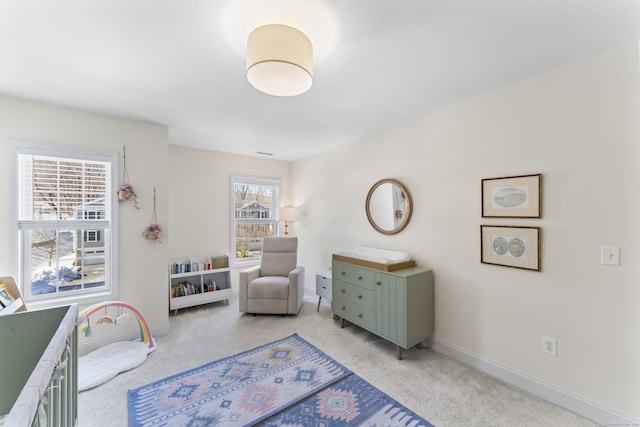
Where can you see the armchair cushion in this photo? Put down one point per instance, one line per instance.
(279, 256)
(269, 287)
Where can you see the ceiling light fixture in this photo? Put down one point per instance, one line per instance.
(279, 60)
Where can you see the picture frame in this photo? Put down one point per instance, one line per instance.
(510, 246)
(512, 197)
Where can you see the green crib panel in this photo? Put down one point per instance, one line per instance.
(24, 337)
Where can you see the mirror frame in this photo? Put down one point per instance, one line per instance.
(408, 212)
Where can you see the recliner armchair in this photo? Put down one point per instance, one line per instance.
(276, 286)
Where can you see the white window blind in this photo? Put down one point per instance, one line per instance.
(65, 227)
(59, 189)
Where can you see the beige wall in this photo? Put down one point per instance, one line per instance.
(578, 126)
(200, 193)
(143, 264)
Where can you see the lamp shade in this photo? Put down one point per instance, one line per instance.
(279, 60)
(287, 213)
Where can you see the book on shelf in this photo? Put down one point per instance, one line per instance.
(197, 264)
(10, 300)
(220, 261)
(211, 286)
(200, 263)
(6, 298)
(185, 288)
(181, 267)
(200, 266)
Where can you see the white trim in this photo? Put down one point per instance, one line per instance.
(12, 204)
(562, 398)
(21, 146)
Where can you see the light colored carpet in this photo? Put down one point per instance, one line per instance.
(442, 390)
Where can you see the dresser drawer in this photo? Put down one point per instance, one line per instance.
(354, 313)
(356, 294)
(354, 274)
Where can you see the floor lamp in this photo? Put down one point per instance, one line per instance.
(286, 214)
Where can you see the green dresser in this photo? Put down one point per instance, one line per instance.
(396, 305)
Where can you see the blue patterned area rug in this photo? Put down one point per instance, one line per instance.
(288, 382)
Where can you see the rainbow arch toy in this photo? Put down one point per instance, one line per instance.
(145, 331)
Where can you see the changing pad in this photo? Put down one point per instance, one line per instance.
(380, 259)
(381, 256)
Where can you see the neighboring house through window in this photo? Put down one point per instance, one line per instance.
(64, 224)
(253, 208)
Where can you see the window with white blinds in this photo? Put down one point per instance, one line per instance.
(64, 221)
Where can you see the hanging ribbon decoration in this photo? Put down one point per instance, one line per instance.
(125, 190)
(153, 231)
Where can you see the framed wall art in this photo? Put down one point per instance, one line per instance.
(517, 247)
(512, 197)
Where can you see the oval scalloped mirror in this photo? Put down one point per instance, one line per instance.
(389, 206)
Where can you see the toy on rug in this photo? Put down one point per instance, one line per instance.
(103, 364)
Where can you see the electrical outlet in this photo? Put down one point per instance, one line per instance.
(550, 346)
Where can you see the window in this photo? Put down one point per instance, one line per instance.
(64, 225)
(92, 213)
(253, 206)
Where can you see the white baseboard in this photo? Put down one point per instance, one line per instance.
(564, 399)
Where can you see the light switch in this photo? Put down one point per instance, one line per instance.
(610, 255)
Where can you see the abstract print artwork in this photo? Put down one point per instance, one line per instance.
(517, 247)
(512, 197)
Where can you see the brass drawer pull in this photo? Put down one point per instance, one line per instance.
(360, 315)
(343, 273)
(359, 296)
(343, 290)
(378, 283)
(359, 277)
(343, 308)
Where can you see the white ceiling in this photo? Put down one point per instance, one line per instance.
(174, 61)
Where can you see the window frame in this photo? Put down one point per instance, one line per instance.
(277, 184)
(19, 263)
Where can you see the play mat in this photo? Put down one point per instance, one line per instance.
(106, 362)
